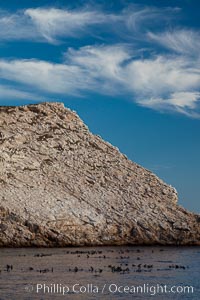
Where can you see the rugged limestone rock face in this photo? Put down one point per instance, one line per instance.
(61, 185)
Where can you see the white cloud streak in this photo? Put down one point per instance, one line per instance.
(167, 81)
(161, 82)
(9, 92)
(45, 76)
(16, 27)
(51, 24)
(161, 75)
(56, 23)
(140, 18)
(183, 41)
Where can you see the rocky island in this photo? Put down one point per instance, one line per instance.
(60, 185)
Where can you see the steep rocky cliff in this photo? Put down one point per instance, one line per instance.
(61, 185)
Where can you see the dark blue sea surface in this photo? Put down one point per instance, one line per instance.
(100, 273)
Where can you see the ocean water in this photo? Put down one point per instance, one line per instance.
(100, 273)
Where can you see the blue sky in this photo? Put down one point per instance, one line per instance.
(131, 69)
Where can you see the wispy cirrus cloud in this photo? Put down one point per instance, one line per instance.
(44, 76)
(181, 41)
(51, 24)
(141, 18)
(16, 27)
(10, 92)
(161, 82)
(54, 23)
(179, 99)
(167, 80)
(102, 66)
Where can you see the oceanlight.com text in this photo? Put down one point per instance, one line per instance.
(111, 288)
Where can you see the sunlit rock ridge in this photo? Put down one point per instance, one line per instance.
(61, 185)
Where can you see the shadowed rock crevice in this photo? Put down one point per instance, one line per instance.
(61, 185)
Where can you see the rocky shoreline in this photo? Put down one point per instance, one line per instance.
(63, 186)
